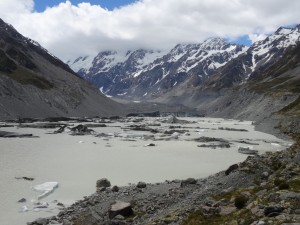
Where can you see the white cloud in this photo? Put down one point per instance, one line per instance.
(256, 37)
(69, 31)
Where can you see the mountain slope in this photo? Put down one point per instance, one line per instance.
(33, 83)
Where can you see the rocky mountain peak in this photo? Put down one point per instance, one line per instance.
(283, 31)
(214, 44)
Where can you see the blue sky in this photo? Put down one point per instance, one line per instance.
(40, 5)
(243, 40)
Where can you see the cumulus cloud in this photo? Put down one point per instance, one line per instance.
(70, 30)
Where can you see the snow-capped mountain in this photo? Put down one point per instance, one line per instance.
(260, 55)
(149, 73)
(112, 71)
(194, 61)
(145, 74)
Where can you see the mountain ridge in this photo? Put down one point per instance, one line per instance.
(157, 75)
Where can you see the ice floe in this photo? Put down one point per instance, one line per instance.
(45, 189)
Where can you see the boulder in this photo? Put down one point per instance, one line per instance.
(81, 130)
(41, 221)
(60, 130)
(264, 175)
(115, 189)
(150, 145)
(187, 182)
(290, 196)
(103, 183)
(272, 211)
(120, 208)
(141, 185)
(22, 200)
(231, 169)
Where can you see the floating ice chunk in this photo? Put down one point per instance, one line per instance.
(175, 135)
(275, 144)
(24, 208)
(201, 131)
(43, 205)
(45, 188)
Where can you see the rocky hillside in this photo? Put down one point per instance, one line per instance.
(146, 74)
(33, 83)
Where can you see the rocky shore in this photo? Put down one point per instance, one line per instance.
(264, 189)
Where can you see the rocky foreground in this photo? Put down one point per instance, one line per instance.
(264, 189)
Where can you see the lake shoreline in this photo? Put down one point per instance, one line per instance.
(169, 202)
(173, 202)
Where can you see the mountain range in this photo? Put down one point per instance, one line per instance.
(149, 74)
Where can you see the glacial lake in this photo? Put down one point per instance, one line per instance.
(119, 154)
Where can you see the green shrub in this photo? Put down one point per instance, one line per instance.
(278, 181)
(295, 185)
(240, 201)
(283, 186)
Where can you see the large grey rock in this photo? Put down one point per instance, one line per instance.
(41, 221)
(231, 169)
(188, 181)
(272, 211)
(290, 196)
(290, 224)
(265, 175)
(297, 158)
(120, 208)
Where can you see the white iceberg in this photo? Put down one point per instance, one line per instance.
(275, 144)
(45, 188)
(24, 208)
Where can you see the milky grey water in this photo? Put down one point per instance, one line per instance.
(76, 162)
